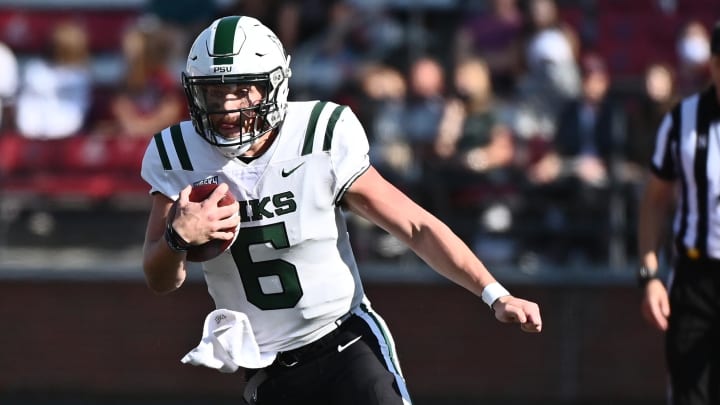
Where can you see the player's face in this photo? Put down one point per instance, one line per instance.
(232, 100)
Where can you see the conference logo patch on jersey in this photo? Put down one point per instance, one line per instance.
(209, 180)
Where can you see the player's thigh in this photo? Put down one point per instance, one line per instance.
(364, 379)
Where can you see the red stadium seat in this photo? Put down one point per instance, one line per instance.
(28, 30)
(91, 168)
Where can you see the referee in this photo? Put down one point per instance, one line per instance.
(685, 176)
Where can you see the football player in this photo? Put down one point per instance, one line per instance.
(294, 167)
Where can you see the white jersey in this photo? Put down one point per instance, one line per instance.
(291, 268)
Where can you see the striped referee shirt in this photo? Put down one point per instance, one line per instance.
(687, 148)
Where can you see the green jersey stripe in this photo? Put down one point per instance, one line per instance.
(312, 125)
(180, 149)
(331, 126)
(160, 145)
(224, 40)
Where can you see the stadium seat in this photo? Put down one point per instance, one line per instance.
(27, 30)
(92, 168)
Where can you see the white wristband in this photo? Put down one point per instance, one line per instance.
(492, 292)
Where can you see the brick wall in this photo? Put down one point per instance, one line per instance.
(116, 337)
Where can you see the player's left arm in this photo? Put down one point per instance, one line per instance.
(374, 198)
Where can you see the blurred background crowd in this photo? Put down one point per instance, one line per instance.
(526, 125)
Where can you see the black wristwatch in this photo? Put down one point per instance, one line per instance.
(644, 276)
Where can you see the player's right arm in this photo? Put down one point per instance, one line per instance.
(164, 268)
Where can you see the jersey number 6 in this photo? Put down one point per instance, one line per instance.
(251, 272)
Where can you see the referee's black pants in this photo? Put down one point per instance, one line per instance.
(693, 336)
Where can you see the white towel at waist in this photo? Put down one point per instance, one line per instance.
(228, 343)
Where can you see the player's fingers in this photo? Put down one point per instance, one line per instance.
(230, 222)
(184, 197)
(224, 235)
(530, 327)
(513, 313)
(533, 315)
(228, 211)
(533, 323)
(182, 201)
(218, 193)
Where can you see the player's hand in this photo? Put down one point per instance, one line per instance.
(510, 309)
(655, 306)
(200, 222)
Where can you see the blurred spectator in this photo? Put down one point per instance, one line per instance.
(425, 105)
(403, 124)
(572, 180)
(582, 140)
(382, 109)
(550, 73)
(181, 19)
(354, 36)
(55, 92)
(281, 16)
(693, 53)
(473, 152)
(325, 62)
(493, 35)
(149, 98)
(471, 136)
(9, 83)
(645, 114)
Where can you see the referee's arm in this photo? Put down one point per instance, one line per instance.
(655, 207)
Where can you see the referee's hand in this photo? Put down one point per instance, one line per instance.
(655, 306)
(510, 309)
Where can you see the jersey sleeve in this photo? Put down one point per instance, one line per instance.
(348, 152)
(154, 173)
